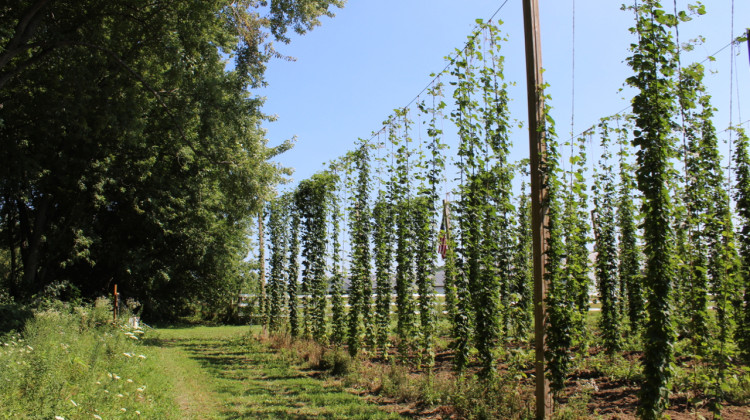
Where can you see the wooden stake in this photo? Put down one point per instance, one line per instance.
(539, 193)
(115, 307)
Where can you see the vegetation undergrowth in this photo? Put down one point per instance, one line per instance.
(227, 372)
(72, 362)
(411, 390)
(414, 390)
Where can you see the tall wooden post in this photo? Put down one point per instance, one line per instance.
(116, 306)
(262, 258)
(539, 207)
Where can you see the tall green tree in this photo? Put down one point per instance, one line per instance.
(106, 103)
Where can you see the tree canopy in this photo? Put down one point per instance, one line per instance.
(132, 145)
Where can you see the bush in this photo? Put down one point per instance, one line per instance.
(13, 317)
(336, 361)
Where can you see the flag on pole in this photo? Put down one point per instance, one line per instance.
(444, 229)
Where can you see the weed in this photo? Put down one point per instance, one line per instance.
(492, 398)
(70, 362)
(336, 361)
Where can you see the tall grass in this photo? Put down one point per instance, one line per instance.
(72, 362)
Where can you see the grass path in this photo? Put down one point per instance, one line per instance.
(225, 373)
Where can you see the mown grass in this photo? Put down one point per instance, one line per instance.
(71, 362)
(240, 377)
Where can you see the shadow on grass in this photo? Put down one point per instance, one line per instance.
(254, 382)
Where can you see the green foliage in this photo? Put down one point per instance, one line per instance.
(606, 247)
(483, 211)
(335, 361)
(629, 269)
(742, 198)
(278, 225)
(360, 286)
(399, 189)
(425, 225)
(72, 362)
(575, 229)
(560, 307)
(104, 111)
(338, 318)
(653, 106)
(311, 199)
(293, 271)
(522, 287)
(382, 217)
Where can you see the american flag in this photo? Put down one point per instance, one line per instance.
(444, 229)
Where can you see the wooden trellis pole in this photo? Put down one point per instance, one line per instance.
(539, 193)
(116, 306)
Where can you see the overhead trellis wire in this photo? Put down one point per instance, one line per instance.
(451, 60)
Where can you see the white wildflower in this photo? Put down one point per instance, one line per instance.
(120, 395)
(59, 418)
(127, 355)
(123, 409)
(97, 417)
(130, 381)
(137, 412)
(141, 356)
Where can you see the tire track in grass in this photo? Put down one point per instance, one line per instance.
(233, 376)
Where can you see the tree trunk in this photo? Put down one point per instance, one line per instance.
(33, 241)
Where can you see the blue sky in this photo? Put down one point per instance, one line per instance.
(374, 56)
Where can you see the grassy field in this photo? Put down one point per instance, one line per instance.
(226, 373)
(73, 363)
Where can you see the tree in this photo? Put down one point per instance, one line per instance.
(105, 105)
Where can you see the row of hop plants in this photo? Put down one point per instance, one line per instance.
(658, 212)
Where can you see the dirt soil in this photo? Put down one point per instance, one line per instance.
(610, 399)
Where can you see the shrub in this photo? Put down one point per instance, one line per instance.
(336, 361)
(73, 363)
(13, 317)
